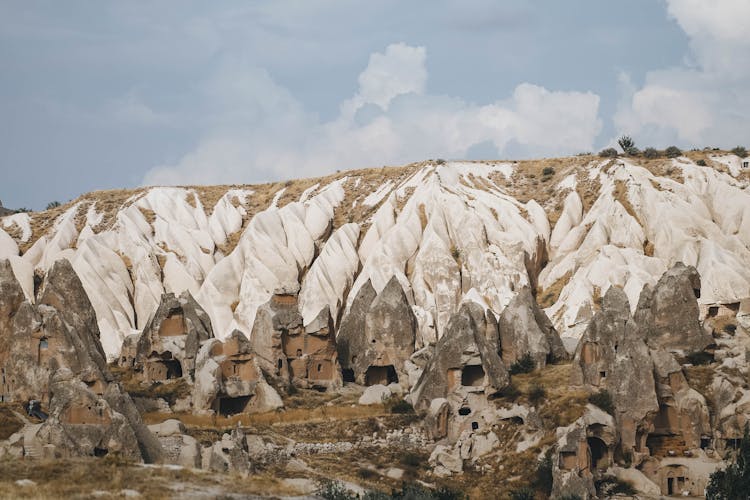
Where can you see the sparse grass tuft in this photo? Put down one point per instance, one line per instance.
(525, 364)
(603, 399)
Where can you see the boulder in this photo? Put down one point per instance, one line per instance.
(375, 394)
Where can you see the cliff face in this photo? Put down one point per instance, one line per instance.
(568, 228)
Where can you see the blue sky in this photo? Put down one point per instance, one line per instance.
(99, 95)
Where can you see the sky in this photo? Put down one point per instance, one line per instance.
(107, 94)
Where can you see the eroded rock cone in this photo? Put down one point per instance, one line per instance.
(526, 329)
(669, 314)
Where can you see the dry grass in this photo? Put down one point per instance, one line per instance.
(81, 478)
(621, 195)
(550, 295)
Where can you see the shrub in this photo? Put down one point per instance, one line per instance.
(415, 491)
(608, 153)
(510, 393)
(440, 161)
(410, 459)
(734, 481)
(730, 328)
(672, 152)
(544, 474)
(329, 489)
(740, 151)
(364, 473)
(701, 163)
(522, 494)
(699, 358)
(650, 153)
(52, 204)
(400, 407)
(633, 151)
(536, 393)
(603, 399)
(608, 486)
(626, 142)
(455, 252)
(524, 365)
(547, 171)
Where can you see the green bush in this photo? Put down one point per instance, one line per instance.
(734, 481)
(603, 399)
(544, 474)
(609, 486)
(633, 151)
(536, 393)
(740, 151)
(547, 171)
(672, 152)
(701, 163)
(608, 153)
(699, 358)
(524, 365)
(650, 153)
(522, 494)
(410, 459)
(510, 392)
(52, 204)
(626, 142)
(400, 407)
(329, 489)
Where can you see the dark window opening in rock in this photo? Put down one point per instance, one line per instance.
(100, 452)
(670, 486)
(516, 420)
(354, 359)
(381, 375)
(474, 426)
(705, 443)
(713, 311)
(347, 374)
(320, 388)
(697, 293)
(602, 374)
(599, 453)
(615, 347)
(373, 341)
(733, 443)
(232, 406)
(43, 344)
(472, 376)
(281, 363)
(174, 369)
(320, 367)
(463, 411)
(299, 353)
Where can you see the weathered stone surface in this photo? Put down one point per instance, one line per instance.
(375, 395)
(375, 342)
(526, 329)
(669, 313)
(229, 380)
(465, 370)
(169, 343)
(288, 352)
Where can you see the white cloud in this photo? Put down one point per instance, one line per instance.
(707, 100)
(259, 131)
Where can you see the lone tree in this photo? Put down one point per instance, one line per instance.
(734, 481)
(626, 143)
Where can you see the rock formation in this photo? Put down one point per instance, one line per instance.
(289, 352)
(229, 379)
(526, 329)
(375, 341)
(52, 353)
(669, 312)
(169, 343)
(465, 371)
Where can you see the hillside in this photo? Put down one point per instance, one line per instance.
(569, 228)
(564, 328)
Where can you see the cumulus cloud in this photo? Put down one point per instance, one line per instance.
(259, 131)
(707, 99)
